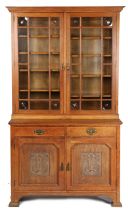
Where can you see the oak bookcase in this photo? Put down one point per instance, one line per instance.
(65, 127)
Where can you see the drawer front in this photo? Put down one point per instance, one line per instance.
(39, 131)
(91, 131)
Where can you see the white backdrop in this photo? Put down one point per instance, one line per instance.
(5, 106)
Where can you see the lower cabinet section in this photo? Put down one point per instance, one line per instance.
(64, 161)
(92, 164)
(39, 163)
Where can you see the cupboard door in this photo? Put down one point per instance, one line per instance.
(40, 61)
(39, 163)
(92, 164)
(90, 61)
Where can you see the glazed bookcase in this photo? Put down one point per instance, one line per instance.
(65, 128)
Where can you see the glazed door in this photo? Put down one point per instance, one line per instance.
(90, 63)
(39, 163)
(40, 63)
(92, 164)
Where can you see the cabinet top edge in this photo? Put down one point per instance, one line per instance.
(66, 9)
(76, 122)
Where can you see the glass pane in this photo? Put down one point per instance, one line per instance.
(23, 95)
(55, 22)
(91, 46)
(37, 105)
(107, 70)
(91, 65)
(107, 87)
(55, 105)
(23, 58)
(75, 33)
(22, 44)
(23, 105)
(39, 81)
(107, 46)
(55, 81)
(106, 105)
(91, 87)
(75, 87)
(75, 46)
(38, 32)
(22, 21)
(23, 80)
(107, 32)
(91, 21)
(91, 32)
(39, 95)
(55, 94)
(39, 45)
(38, 21)
(107, 21)
(22, 32)
(90, 105)
(55, 46)
(75, 105)
(75, 21)
(39, 62)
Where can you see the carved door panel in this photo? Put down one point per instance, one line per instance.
(39, 163)
(92, 164)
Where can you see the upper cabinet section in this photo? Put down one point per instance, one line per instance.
(91, 58)
(39, 62)
(65, 60)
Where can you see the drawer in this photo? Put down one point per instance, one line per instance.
(39, 131)
(91, 131)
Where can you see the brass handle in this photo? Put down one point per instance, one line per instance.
(91, 131)
(63, 67)
(68, 167)
(68, 67)
(39, 132)
(62, 167)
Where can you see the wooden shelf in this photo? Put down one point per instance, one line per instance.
(107, 37)
(78, 27)
(44, 70)
(75, 64)
(107, 64)
(107, 55)
(23, 64)
(85, 96)
(91, 37)
(90, 95)
(22, 36)
(23, 99)
(106, 95)
(23, 90)
(23, 53)
(39, 53)
(52, 100)
(105, 75)
(44, 53)
(106, 99)
(91, 55)
(85, 75)
(43, 36)
(45, 90)
(91, 75)
(23, 70)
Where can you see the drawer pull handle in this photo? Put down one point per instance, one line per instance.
(91, 131)
(62, 167)
(68, 167)
(39, 132)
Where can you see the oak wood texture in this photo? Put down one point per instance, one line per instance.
(65, 152)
